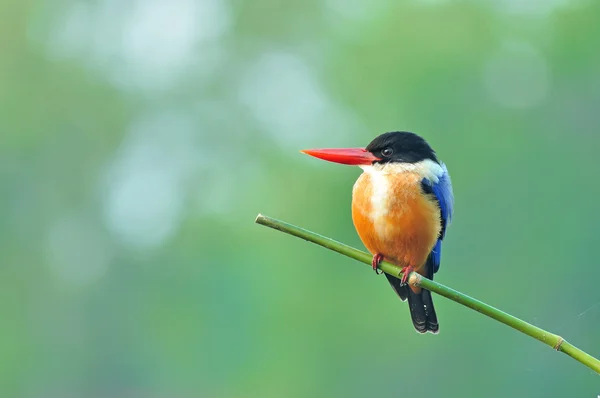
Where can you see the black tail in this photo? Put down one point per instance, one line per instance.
(421, 307)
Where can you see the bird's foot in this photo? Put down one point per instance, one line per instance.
(377, 259)
(405, 273)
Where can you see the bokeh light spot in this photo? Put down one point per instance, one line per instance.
(145, 44)
(144, 185)
(285, 96)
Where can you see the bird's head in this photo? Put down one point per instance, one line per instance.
(393, 147)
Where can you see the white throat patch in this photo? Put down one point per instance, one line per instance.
(426, 168)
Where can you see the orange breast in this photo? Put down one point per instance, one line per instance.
(393, 217)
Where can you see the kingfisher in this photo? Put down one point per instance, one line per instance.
(402, 204)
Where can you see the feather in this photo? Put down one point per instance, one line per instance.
(441, 190)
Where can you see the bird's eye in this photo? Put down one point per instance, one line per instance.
(387, 152)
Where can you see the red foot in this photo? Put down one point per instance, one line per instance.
(377, 259)
(405, 272)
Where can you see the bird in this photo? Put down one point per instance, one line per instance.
(402, 205)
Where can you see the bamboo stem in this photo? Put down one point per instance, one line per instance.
(550, 339)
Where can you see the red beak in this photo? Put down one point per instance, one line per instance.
(352, 156)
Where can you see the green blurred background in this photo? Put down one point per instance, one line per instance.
(139, 139)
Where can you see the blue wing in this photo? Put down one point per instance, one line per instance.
(442, 190)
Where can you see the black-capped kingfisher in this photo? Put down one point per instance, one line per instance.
(402, 204)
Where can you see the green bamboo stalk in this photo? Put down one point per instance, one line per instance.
(550, 339)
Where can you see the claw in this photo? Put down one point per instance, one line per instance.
(405, 273)
(377, 259)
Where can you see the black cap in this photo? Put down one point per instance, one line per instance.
(401, 147)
